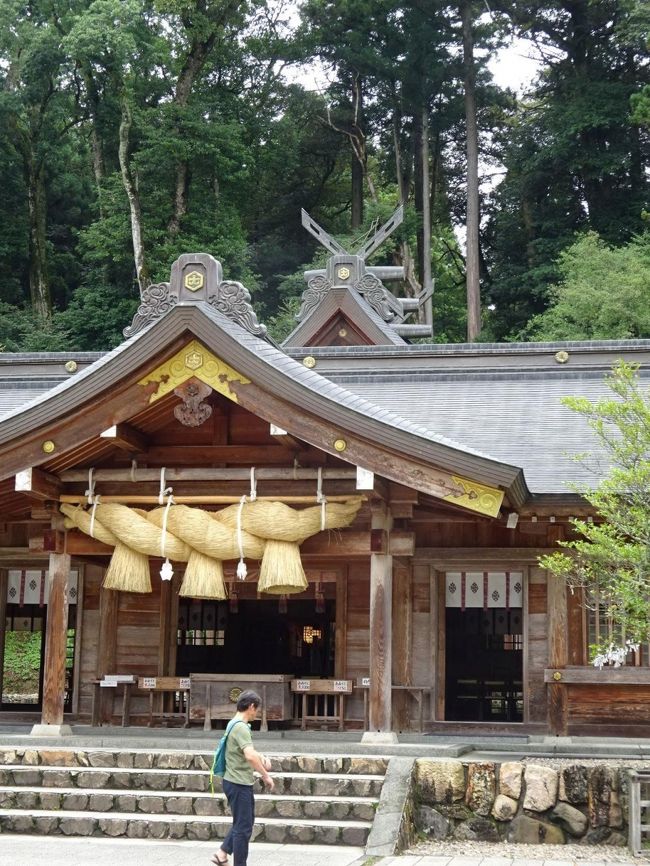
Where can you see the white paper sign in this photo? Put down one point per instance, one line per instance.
(148, 682)
(340, 685)
(184, 683)
(303, 685)
(365, 682)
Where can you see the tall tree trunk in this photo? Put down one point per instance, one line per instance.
(418, 189)
(425, 276)
(39, 284)
(472, 264)
(131, 189)
(357, 140)
(405, 254)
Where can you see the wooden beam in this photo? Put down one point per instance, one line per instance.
(39, 484)
(198, 455)
(381, 669)
(209, 473)
(56, 632)
(401, 543)
(199, 499)
(126, 437)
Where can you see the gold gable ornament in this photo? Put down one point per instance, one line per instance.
(194, 281)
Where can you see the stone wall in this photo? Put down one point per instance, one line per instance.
(521, 802)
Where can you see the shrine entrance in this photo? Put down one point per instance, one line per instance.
(257, 636)
(484, 647)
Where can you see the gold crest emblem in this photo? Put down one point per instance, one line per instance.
(343, 273)
(234, 694)
(193, 281)
(194, 360)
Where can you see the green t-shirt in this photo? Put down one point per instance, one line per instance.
(238, 769)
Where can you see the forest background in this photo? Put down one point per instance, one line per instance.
(132, 131)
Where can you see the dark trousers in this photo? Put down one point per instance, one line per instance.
(242, 805)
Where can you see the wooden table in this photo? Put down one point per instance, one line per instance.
(321, 690)
(112, 681)
(416, 692)
(214, 696)
(165, 685)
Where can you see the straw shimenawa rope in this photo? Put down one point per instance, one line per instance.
(271, 531)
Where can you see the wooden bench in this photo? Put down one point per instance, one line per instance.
(316, 696)
(159, 686)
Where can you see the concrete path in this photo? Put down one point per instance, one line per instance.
(60, 851)
(16, 850)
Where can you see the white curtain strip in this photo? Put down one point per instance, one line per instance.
(484, 589)
(31, 586)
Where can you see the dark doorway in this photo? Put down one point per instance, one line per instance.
(258, 636)
(484, 665)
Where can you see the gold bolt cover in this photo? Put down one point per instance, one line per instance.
(343, 273)
(340, 444)
(343, 332)
(71, 366)
(562, 357)
(48, 446)
(309, 362)
(557, 676)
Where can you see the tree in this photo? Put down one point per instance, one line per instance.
(602, 293)
(611, 558)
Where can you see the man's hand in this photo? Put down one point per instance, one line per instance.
(268, 781)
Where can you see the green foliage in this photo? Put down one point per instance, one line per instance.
(611, 558)
(22, 662)
(602, 293)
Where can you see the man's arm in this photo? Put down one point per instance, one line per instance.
(260, 763)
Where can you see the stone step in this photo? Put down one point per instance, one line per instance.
(183, 803)
(138, 826)
(146, 759)
(305, 784)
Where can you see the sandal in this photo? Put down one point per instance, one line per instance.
(218, 862)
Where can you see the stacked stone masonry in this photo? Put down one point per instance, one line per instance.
(325, 800)
(521, 802)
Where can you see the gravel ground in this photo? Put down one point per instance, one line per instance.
(592, 853)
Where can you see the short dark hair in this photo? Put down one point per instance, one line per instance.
(247, 699)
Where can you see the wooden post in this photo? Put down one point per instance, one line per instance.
(402, 640)
(106, 647)
(4, 580)
(557, 654)
(340, 643)
(381, 580)
(56, 640)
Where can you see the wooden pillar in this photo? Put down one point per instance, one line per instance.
(4, 581)
(340, 643)
(107, 645)
(56, 640)
(557, 654)
(402, 641)
(381, 585)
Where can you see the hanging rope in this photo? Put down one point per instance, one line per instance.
(322, 501)
(90, 493)
(92, 515)
(164, 491)
(242, 571)
(253, 494)
(166, 571)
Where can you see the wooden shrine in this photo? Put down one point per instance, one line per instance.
(425, 598)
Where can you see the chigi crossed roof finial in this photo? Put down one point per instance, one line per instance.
(349, 270)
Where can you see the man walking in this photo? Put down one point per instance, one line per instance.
(242, 760)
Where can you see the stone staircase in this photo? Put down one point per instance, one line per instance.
(326, 800)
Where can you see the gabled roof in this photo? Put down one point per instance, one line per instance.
(294, 395)
(352, 307)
